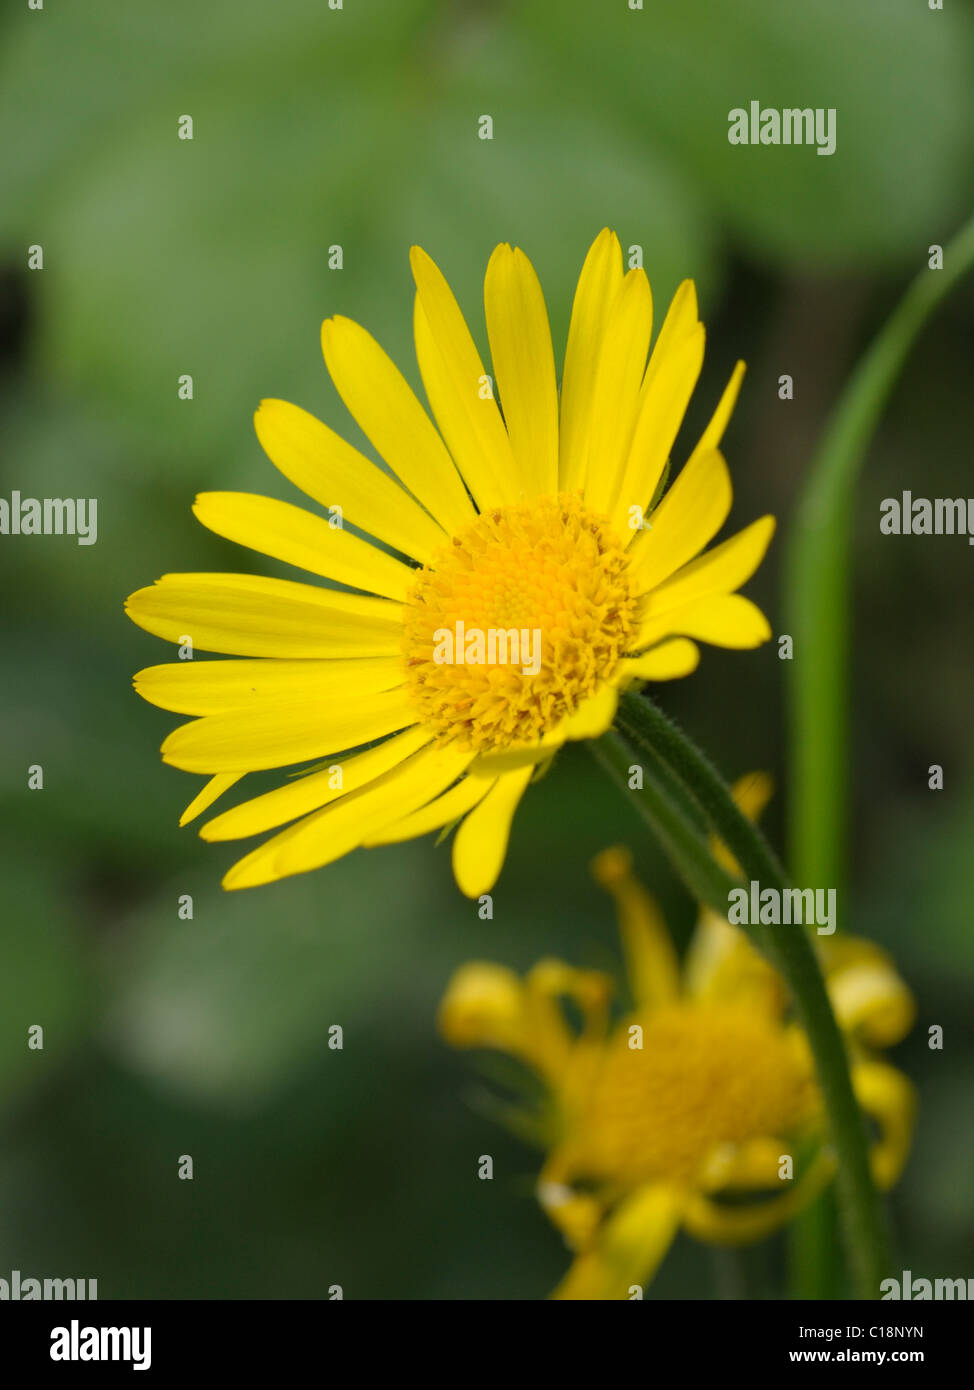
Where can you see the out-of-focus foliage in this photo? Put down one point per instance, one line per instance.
(315, 127)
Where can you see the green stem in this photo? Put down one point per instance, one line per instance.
(818, 582)
(811, 1246)
(646, 725)
(685, 846)
(792, 952)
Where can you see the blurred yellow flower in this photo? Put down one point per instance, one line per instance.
(526, 588)
(698, 1107)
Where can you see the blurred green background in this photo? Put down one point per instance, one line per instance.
(358, 127)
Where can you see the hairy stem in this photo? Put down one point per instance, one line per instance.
(656, 738)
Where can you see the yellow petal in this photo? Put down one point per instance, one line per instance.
(680, 323)
(488, 1005)
(690, 514)
(509, 759)
(652, 966)
(753, 1165)
(211, 687)
(484, 1006)
(524, 366)
(381, 400)
(443, 811)
(576, 1214)
(667, 662)
(593, 716)
(719, 571)
(722, 966)
(642, 477)
(590, 990)
(752, 792)
(305, 794)
(481, 842)
(867, 994)
(213, 790)
(328, 834)
(330, 471)
(628, 1249)
(616, 394)
(249, 615)
(741, 1224)
(663, 404)
(299, 538)
(454, 377)
(643, 439)
(276, 733)
(886, 1095)
(597, 288)
(714, 433)
(723, 620)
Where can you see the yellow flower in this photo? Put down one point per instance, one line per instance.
(697, 1103)
(527, 524)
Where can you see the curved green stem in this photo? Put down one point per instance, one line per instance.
(655, 736)
(685, 846)
(818, 572)
(648, 727)
(818, 581)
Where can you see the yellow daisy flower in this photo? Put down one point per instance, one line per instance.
(683, 1111)
(531, 524)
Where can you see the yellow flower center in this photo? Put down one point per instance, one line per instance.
(705, 1077)
(515, 622)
